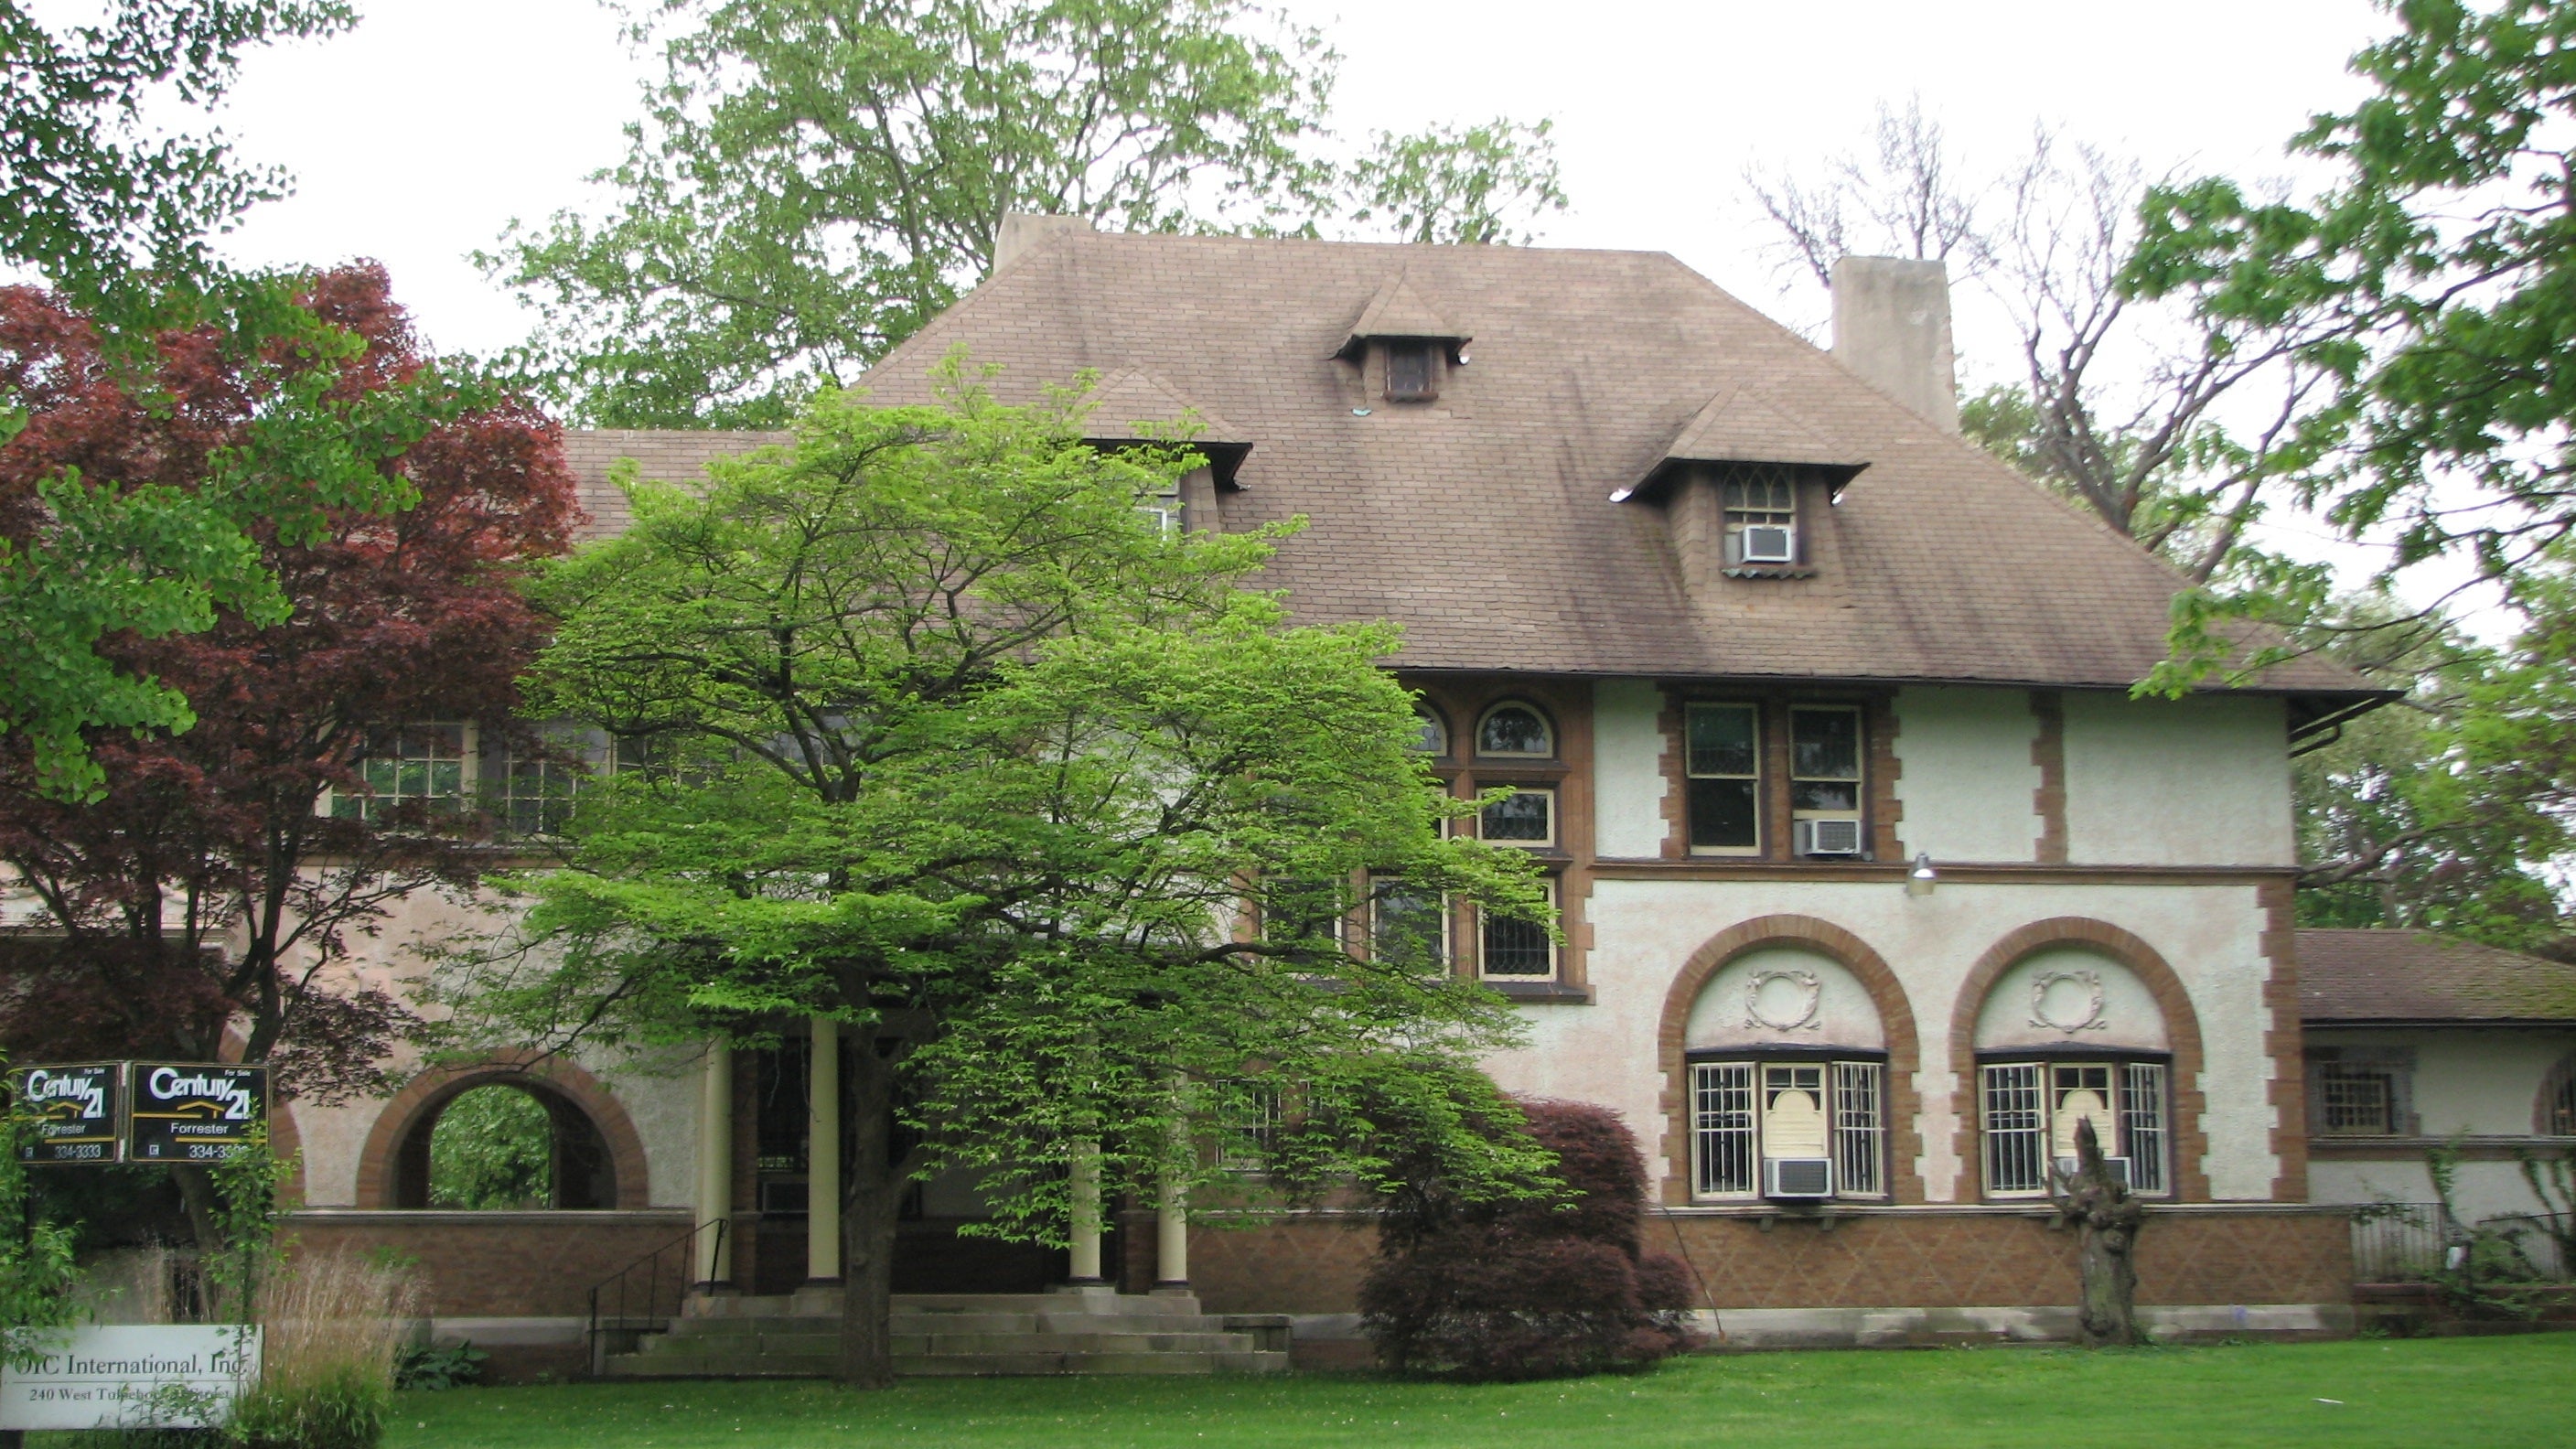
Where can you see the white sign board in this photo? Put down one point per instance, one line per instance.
(177, 1376)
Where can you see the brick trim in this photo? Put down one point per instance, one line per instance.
(2182, 1026)
(2284, 1043)
(1670, 724)
(1886, 993)
(2048, 752)
(1885, 809)
(433, 1089)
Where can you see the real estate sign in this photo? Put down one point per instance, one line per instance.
(77, 1111)
(170, 1376)
(193, 1111)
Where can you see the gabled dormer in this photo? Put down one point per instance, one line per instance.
(1133, 405)
(1403, 348)
(1744, 486)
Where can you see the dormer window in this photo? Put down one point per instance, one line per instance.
(1412, 372)
(1761, 506)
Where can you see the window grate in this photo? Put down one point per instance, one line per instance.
(2356, 1100)
(2016, 1130)
(2142, 1124)
(1860, 1127)
(1722, 1128)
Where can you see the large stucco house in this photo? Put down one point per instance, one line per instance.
(1875, 880)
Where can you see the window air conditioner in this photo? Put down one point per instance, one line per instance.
(1766, 543)
(1827, 837)
(1797, 1177)
(2119, 1169)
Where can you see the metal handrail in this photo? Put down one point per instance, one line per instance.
(627, 1291)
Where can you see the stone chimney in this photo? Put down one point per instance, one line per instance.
(1022, 230)
(1892, 326)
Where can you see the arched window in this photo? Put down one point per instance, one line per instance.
(502, 1143)
(1788, 1082)
(2066, 1037)
(1515, 731)
(2555, 1115)
(1434, 739)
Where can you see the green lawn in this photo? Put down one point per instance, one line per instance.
(2489, 1392)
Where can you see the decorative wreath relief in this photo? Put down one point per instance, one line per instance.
(2067, 1001)
(1783, 1000)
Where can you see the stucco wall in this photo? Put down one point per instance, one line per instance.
(2176, 782)
(1645, 930)
(659, 1093)
(1968, 780)
(2473, 1087)
(1627, 768)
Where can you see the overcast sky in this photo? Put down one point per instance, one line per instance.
(416, 137)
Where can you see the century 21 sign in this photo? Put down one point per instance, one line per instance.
(102, 1112)
(194, 1111)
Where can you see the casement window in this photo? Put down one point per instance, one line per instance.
(1412, 372)
(1724, 765)
(1824, 780)
(1408, 925)
(1826, 1120)
(1305, 912)
(1248, 1127)
(1434, 736)
(1510, 948)
(2555, 1113)
(430, 763)
(1761, 506)
(2361, 1091)
(1524, 817)
(2030, 1112)
(1514, 732)
(1161, 512)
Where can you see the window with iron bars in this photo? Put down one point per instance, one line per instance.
(1733, 1102)
(2029, 1113)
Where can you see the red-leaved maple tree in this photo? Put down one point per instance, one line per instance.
(206, 906)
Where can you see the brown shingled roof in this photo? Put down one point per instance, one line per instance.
(1483, 522)
(2416, 976)
(1736, 427)
(1399, 311)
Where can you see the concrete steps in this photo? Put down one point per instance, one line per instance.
(1087, 1331)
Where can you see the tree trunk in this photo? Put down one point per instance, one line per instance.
(2106, 1219)
(870, 1201)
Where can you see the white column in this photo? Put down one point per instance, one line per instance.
(1084, 1229)
(823, 1155)
(1172, 1238)
(715, 1165)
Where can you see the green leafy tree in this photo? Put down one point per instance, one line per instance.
(2429, 283)
(815, 179)
(952, 745)
(113, 216)
(493, 1147)
(2448, 809)
(37, 1273)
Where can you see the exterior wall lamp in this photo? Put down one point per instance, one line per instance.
(1919, 881)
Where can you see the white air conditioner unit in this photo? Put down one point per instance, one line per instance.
(1826, 837)
(2119, 1169)
(1797, 1177)
(1766, 543)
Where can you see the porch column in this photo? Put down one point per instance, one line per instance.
(823, 1155)
(1172, 1238)
(715, 1168)
(1084, 1229)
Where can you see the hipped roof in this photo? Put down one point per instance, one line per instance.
(2365, 976)
(1738, 427)
(1483, 523)
(1396, 310)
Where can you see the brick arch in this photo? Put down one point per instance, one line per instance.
(1886, 993)
(2182, 1031)
(432, 1090)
